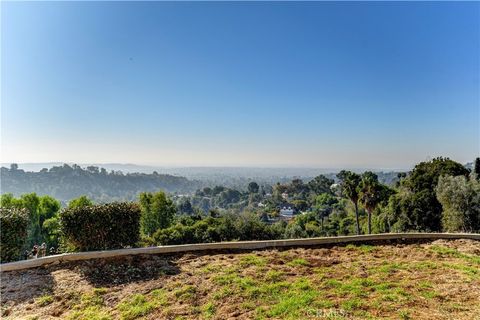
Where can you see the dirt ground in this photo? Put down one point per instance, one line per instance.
(432, 280)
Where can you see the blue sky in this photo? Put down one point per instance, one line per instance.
(320, 84)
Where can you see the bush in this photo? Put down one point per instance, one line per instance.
(14, 223)
(99, 227)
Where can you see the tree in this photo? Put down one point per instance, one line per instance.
(39, 210)
(460, 199)
(415, 206)
(48, 210)
(350, 182)
(371, 194)
(320, 184)
(324, 204)
(476, 168)
(158, 212)
(82, 201)
(31, 202)
(253, 187)
(185, 206)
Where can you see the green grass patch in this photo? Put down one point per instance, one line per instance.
(185, 292)
(274, 275)
(252, 260)
(208, 310)
(90, 313)
(366, 248)
(352, 304)
(292, 305)
(472, 272)
(404, 315)
(451, 252)
(44, 300)
(298, 262)
(430, 294)
(134, 307)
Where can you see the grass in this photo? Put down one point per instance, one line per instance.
(366, 282)
(252, 260)
(208, 310)
(134, 307)
(298, 262)
(185, 292)
(44, 300)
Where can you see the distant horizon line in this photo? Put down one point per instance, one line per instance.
(153, 166)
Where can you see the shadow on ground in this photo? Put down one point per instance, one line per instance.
(25, 285)
(115, 271)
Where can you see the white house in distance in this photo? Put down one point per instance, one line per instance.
(286, 212)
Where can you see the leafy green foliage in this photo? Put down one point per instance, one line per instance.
(371, 194)
(14, 231)
(226, 227)
(158, 212)
(350, 183)
(82, 201)
(415, 206)
(99, 227)
(39, 210)
(460, 199)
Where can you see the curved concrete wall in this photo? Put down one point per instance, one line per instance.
(239, 245)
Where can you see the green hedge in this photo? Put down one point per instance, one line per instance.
(99, 227)
(13, 224)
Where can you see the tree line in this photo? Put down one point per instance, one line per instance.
(437, 195)
(68, 182)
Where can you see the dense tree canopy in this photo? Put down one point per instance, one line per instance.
(415, 206)
(67, 182)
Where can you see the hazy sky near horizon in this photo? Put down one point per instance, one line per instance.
(322, 84)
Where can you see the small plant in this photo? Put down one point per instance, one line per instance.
(44, 300)
(208, 310)
(404, 315)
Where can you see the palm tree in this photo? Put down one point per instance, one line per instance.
(371, 193)
(350, 182)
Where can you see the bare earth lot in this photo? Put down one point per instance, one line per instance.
(436, 280)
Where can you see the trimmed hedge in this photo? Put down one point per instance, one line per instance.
(13, 224)
(99, 227)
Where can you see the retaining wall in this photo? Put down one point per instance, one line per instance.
(238, 245)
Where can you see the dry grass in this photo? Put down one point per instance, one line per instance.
(438, 280)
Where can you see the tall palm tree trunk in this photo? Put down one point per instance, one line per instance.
(356, 216)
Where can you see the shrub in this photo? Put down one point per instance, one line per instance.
(98, 227)
(14, 223)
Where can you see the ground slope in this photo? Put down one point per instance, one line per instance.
(437, 280)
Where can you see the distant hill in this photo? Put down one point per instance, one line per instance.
(232, 177)
(71, 181)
